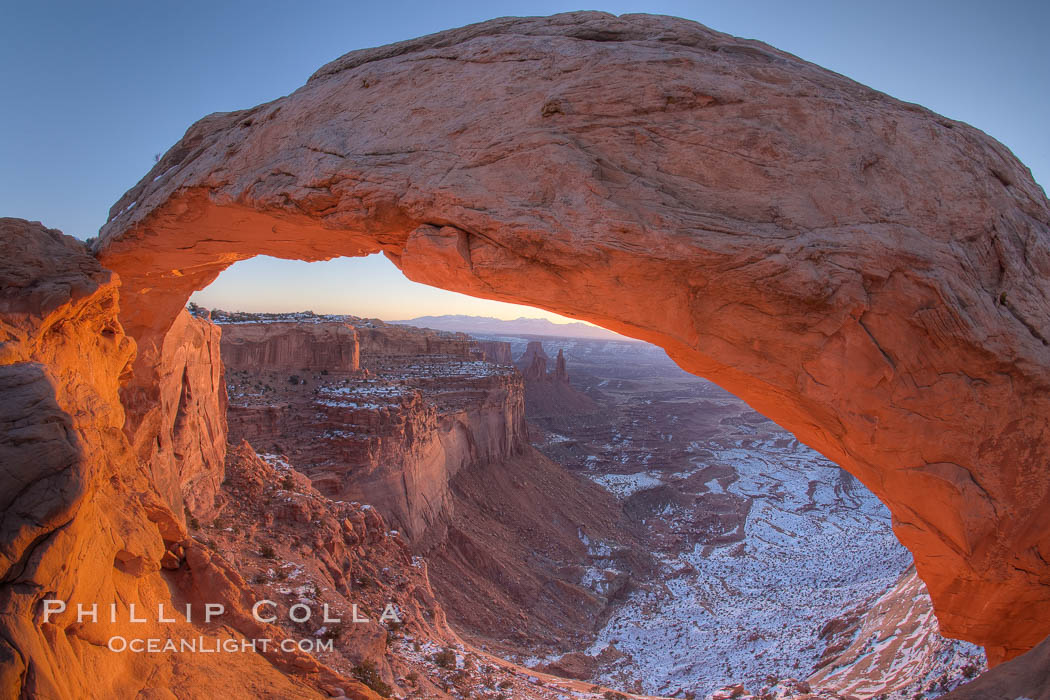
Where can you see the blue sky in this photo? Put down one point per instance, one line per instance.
(93, 90)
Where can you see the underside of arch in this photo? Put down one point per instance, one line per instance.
(868, 274)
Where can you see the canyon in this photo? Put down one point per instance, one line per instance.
(84, 525)
(774, 566)
(412, 431)
(836, 262)
(803, 556)
(868, 275)
(424, 407)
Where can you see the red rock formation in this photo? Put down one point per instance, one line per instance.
(495, 351)
(188, 451)
(892, 643)
(83, 521)
(291, 346)
(380, 340)
(561, 375)
(872, 276)
(517, 567)
(533, 363)
(438, 444)
(407, 457)
(549, 394)
(395, 438)
(327, 553)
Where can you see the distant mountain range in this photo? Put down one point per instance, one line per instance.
(519, 326)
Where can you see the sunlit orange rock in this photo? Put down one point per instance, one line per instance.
(869, 274)
(82, 519)
(183, 438)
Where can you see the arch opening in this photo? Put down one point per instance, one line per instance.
(774, 553)
(709, 217)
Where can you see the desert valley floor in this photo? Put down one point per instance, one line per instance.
(638, 529)
(771, 559)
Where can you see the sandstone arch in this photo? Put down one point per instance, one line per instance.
(870, 275)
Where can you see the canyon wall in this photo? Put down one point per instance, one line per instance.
(403, 460)
(380, 340)
(88, 520)
(393, 436)
(295, 545)
(291, 346)
(495, 351)
(184, 442)
(435, 439)
(893, 643)
(872, 276)
(84, 520)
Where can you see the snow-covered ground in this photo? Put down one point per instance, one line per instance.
(816, 543)
(623, 485)
(896, 651)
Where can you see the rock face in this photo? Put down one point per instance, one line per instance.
(291, 346)
(872, 276)
(393, 436)
(533, 363)
(186, 458)
(436, 441)
(893, 644)
(495, 351)
(515, 570)
(382, 340)
(84, 520)
(561, 374)
(549, 394)
(295, 545)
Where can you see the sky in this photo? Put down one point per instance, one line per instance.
(93, 91)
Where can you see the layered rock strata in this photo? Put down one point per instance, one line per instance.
(869, 274)
(85, 522)
(291, 346)
(437, 442)
(393, 435)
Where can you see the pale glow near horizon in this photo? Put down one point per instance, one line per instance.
(370, 287)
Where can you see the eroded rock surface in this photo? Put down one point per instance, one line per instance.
(291, 346)
(872, 276)
(435, 439)
(84, 521)
(183, 438)
(393, 434)
(891, 645)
